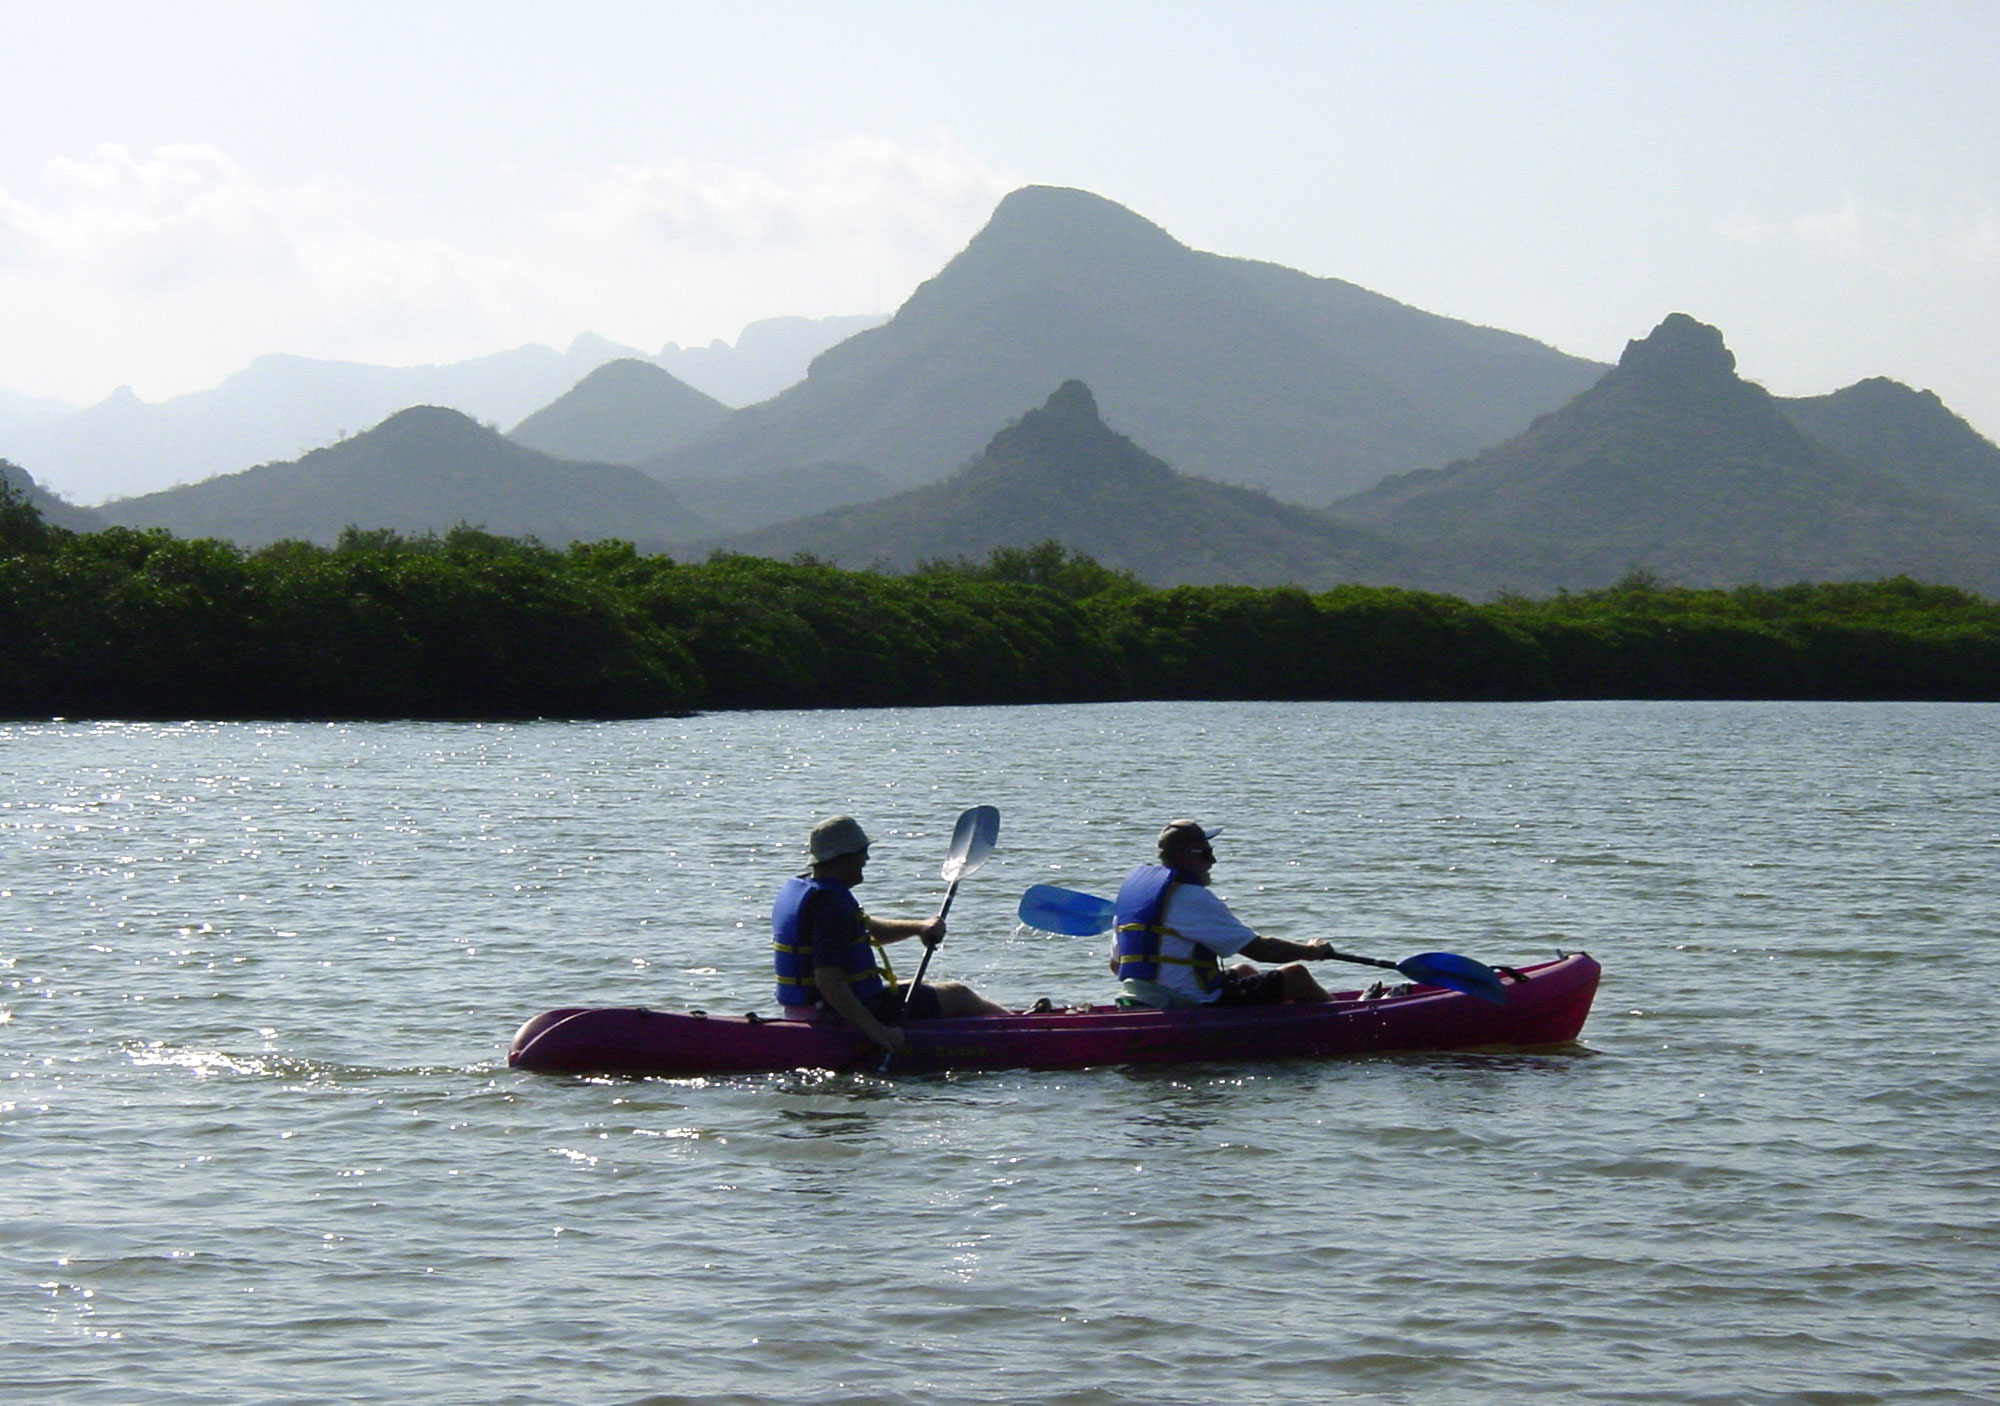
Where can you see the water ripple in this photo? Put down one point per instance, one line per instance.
(259, 980)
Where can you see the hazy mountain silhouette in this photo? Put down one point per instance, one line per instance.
(1233, 370)
(624, 412)
(768, 355)
(1059, 472)
(629, 411)
(20, 412)
(119, 443)
(426, 469)
(1673, 464)
(280, 407)
(1908, 435)
(54, 510)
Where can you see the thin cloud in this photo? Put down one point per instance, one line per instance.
(860, 190)
(193, 264)
(682, 247)
(183, 216)
(1896, 242)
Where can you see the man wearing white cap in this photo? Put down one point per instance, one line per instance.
(825, 947)
(1172, 934)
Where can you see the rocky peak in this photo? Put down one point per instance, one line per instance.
(1066, 437)
(1051, 236)
(1058, 215)
(1681, 348)
(1072, 401)
(1067, 423)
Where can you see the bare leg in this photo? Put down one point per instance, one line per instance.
(956, 999)
(1299, 984)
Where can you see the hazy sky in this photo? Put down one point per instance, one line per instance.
(186, 185)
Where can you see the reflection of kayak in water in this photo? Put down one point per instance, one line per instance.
(1547, 1005)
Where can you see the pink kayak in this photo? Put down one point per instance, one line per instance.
(1544, 1005)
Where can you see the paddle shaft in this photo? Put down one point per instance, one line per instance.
(925, 965)
(1363, 961)
(972, 841)
(903, 994)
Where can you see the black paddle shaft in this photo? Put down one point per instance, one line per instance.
(950, 893)
(903, 996)
(1364, 961)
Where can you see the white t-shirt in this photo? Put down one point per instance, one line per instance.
(1198, 916)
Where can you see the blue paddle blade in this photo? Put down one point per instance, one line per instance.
(1458, 973)
(1055, 909)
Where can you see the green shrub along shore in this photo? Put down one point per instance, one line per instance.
(125, 624)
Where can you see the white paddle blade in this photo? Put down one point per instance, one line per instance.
(978, 830)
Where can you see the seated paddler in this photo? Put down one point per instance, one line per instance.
(829, 953)
(1173, 936)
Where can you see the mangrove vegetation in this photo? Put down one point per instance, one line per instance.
(141, 624)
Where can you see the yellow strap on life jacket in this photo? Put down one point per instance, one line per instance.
(1162, 930)
(882, 956)
(794, 949)
(1168, 961)
(1207, 968)
(853, 978)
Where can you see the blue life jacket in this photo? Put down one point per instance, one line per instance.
(791, 946)
(1142, 898)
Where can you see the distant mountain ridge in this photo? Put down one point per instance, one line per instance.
(18, 412)
(1673, 464)
(1908, 435)
(426, 469)
(767, 356)
(624, 412)
(1059, 472)
(54, 511)
(280, 407)
(1257, 387)
(1232, 370)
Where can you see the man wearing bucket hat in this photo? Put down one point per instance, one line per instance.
(826, 948)
(1172, 934)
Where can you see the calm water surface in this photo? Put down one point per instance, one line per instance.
(258, 1140)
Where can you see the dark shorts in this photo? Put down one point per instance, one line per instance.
(923, 1005)
(1254, 988)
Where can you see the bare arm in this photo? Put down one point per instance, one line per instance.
(931, 930)
(1278, 949)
